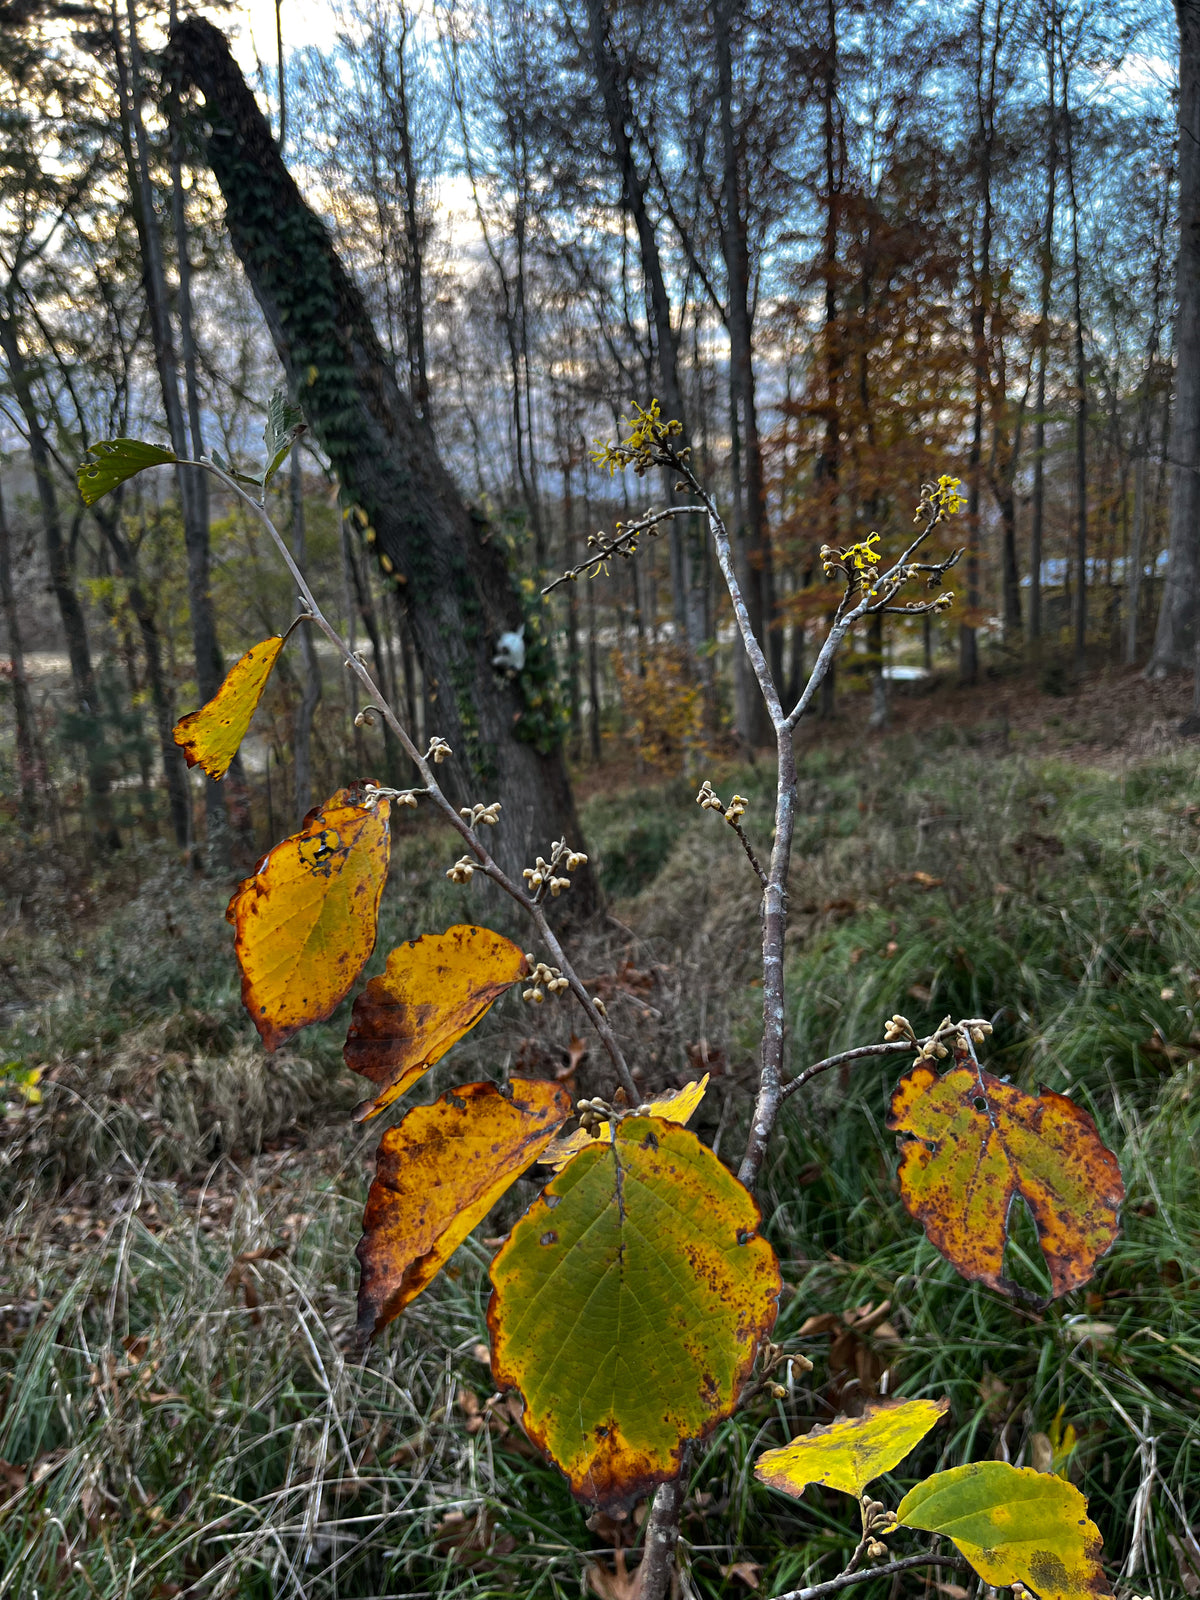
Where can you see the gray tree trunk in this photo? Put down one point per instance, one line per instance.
(454, 574)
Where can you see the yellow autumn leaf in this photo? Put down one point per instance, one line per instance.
(433, 990)
(851, 1452)
(1014, 1525)
(210, 737)
(437, 1174)
(675, 1107)
(306, 919)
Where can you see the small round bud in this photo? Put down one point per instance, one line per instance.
(599, 1005)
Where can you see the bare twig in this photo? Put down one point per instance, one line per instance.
(487, 865)
(623, 543)
(749, 849)
(864, 1575)
(889, 1047)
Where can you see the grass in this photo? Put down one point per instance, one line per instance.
(182, 1408)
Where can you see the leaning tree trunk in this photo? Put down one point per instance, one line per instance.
(454, 574)
(1176, 618)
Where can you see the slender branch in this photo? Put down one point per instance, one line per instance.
(748, 848)
(624, 543)
(889, 1047)
(449, 811)
(864, 1575)
(721, 543)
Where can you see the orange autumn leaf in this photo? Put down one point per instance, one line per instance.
(438, 1174)
(210, 737)
(306, 920)
(976, 1144)
(433, 990)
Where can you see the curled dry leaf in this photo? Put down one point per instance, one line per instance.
(1014, 1525)
(976, 1144)
(851, 1452)
(628, 1305)
(306, 920)
(433, 990)
(675, 1107)
(437, 1175)
(210, 737)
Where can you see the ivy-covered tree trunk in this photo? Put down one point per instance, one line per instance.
(452, 568)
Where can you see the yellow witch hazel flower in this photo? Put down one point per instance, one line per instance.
(946, 495)
(859, 557)
(646, 430)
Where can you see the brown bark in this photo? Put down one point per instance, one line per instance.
(107, 519)
(310, 687)
(30, 765)
(1037, 523)
(758, 582)
(193, 490)
(1173, 640)
(686, 551)
(460, 596)
(62, 582)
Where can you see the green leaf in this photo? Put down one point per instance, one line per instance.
(628, 1305)
(285, 424)
(1014, 1525)
(116, 460)
(230, 471)
(851, 1452)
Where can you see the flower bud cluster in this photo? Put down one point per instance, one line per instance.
(438, 750)
(876, 1519)
(592, 1113)
(543, 978)
(462, 871)
(898, 1027)
(548, 875)
(487, 816)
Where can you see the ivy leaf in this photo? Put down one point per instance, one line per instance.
(628, 1305)
(1014, 1525)
(117, 460)
(437, 1175)
(976, 1144)
(433, 990)
(676, 1107)
(306, 920)
(285, 424)
(210, 737)
(851, 1452)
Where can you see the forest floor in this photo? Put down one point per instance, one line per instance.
(183, 1409)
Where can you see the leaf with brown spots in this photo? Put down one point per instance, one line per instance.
(210, 737)
(1014, 1525)
(433, 991)
(306, 920)
(628, 1305)
(851, 1452)
(976, 1144)
(677, 1106)
(437, 1175)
